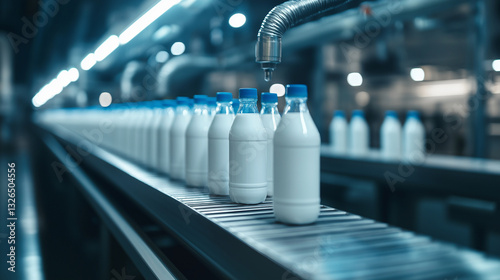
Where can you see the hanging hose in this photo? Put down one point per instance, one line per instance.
(283, 17)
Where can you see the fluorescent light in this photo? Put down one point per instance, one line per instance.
(107, 47)
(355, 79)
(178, 48)
(105, 99)
(63, 78)
(88, 62)
(73, 74)
(237, 20)
(279, 89)
(496, 65)
(161, 56)
(47, 92)
(417, 74)
(145, 20)
(56, 87)
(444, 88)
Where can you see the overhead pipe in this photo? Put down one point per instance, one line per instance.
(279, 20)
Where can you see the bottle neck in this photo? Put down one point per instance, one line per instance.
(200, 109)
(182, 110)
(248, 106)
(269, 108)
(168, 110)
(224, 108)
(295, 105)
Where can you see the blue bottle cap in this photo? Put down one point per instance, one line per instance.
(391, 113)
(248, 93)
(182, 100)
(268, 97)
(212, 101)
(339, 113)
(156, 104)
(413, 114)
(358, 113)
(200, 99)
(296, 91)
(224, 97)
(168, 103)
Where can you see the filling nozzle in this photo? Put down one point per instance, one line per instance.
(268, 54)
(280, 19)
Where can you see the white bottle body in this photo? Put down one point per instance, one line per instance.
(296, 169)
(145, 140)
(218, 154)
(164, 141)
(413, 140)
(247, 159)
(338, 135)
(178, 146)
(270, 122)
(154, 140)
(197, 150)
(390, 139)
(358, 137)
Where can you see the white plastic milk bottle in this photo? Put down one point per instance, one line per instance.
(248, 152)
(218, 145)
(390, 136)
(338, 133)
(270, 119)
(296, 162)
(178, 139)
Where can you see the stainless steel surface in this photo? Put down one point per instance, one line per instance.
(123, 228)
(457, 163)
(246, 240)
(436, 174)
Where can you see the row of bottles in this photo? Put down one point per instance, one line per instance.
(396, 142)
(233, 149)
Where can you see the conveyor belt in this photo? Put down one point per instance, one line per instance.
(245, 242)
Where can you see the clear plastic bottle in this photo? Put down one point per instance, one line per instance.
(359, 134)
(218, 145)
(390, 136)
(338, 133)
(178, 139)
(296, 162)
(248, 152)
(197, 144)
(168, 115)
(413, 138)
(270, 119)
